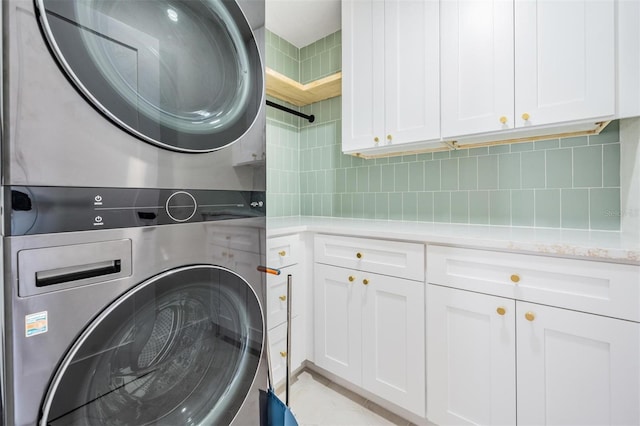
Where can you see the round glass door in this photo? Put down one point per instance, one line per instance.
(182, 348)
(183, 74)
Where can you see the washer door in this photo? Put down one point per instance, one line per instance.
(182, 348)
(183, 74)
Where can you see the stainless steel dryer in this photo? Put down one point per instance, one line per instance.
(107, 322)
(132, 93)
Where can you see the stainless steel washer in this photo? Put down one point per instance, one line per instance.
(115, 313)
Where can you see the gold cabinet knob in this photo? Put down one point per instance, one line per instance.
(359, 255)
(351, 278)
(283, 354)
(515, 278)
(503, 119)
(376, 139)
(530, 316)
(282, 253)
(389, 137)
(501, 310)
(525, 116)
(365, 281)
(283, 297)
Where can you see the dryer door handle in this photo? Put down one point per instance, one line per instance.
(74, 273)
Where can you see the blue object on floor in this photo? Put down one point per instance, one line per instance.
(274, 411)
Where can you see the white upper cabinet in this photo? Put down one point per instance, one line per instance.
(390, 62)
(477, 66)
(362, 73)
(514, 64)
(564, 60)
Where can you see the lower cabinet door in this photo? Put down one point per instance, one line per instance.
(576, 368)
(471, 370)
(338, 322)
(393, 339)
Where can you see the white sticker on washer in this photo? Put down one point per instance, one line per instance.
(35, 324)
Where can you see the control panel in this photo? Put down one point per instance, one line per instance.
(41, 209)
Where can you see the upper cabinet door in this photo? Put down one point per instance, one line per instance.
(564, 60)
(412, 75)
(363, 73)
(476, 66)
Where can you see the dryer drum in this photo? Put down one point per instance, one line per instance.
(184, 74)
(182, 348)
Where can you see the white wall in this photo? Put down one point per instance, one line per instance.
(630, 176)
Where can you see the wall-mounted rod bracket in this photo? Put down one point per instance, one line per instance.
(311, 117)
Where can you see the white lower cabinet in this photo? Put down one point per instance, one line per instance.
(369, 330)
(285, 253)
(576, 368)
(573, 368)
(471, 363)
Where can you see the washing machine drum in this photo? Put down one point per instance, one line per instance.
(182, 348)
(183, 74)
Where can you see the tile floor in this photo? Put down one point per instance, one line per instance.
(315, 401)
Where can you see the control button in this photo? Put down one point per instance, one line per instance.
(181, 206)
(97, 200)
(97, 221)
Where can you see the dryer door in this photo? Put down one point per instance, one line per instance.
(182, 348)
(183, 74)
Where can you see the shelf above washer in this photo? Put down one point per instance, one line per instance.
(286, 89)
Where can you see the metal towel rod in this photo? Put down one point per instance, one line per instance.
(311, 117)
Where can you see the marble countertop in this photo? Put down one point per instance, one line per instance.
(609, 246)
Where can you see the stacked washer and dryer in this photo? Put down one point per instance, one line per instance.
(118, 189)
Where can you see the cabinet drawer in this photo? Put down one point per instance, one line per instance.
(277, 295)
(583, 285)
(283, 251)
(402, 260)
(278, 349)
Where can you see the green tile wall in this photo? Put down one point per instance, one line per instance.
(559, 183)
(322, 58)
(282, 56)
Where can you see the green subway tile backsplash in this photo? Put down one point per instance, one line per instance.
(547, 210)
(509, 171)
(569, 183)
(522, 207)
(468, 173)
(479, 207)
(587, 166)
(559, 165)
(500, 207)
(533, 169)
(574, 208)
(460, 207)
(604, 208)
